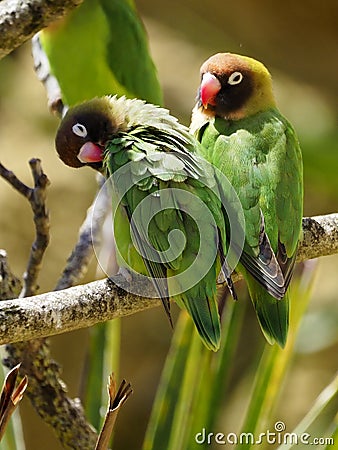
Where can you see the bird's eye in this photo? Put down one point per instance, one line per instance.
(80, 130)
(235, 78)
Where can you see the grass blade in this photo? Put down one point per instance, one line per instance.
(192, 384)
(103, 359)
(321, 422)
(274, 364)
(168, 394)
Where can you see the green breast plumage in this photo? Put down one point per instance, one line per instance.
(261, 157)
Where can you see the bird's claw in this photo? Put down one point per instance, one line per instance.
(126, 273)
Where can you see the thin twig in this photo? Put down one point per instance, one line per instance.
(44, 74)
(37, 198)
(116, 400)
(14, 181)
(88, 238)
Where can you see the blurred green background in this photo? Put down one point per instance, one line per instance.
(297, 41)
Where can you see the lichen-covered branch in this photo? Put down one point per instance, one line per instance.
(77, 307)
(10, 285)
(20, 19)
(320, 237)
(83, 306)
(49, 396)
(46, 389)
(37, 199)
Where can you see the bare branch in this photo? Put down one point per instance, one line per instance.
(12, 179)
(89, 237)
(320, 237)
(44, 74)
(73, 308)
(37, 198)
(21, 19)
(83, 306)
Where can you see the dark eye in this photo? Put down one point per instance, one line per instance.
(80, 130)
(235, 78)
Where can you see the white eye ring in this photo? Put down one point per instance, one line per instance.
(80, 130)
(235, 78)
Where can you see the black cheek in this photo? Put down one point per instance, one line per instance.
(232, 98)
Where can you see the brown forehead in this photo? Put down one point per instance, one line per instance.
(224, 63)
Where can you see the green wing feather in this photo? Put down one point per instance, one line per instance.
(101, 47)
(159, 153)
(269, 185)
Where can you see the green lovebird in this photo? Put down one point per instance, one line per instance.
(101, 47)
(245, 136)
(168, 194)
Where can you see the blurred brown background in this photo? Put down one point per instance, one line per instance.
(297, 41)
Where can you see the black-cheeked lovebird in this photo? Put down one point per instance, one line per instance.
(245, 136)
(152, 160)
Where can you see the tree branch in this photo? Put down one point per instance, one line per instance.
(320, 237)
(89, 237)
(37, 199)
(10, 285)
(48, 394)
(21, 19)
(83, 306)
(77, 307)
(46, 389)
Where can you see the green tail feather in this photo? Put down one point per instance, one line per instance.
(273, 315)
(204, 313)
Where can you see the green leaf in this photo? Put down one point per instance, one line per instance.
(193, 380)
(103, 359)
(217, 371)
(275, 362)
(175, 389)
(321, 422)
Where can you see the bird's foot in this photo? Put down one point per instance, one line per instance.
(126, 273)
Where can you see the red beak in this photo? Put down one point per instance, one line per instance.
(90, 153)
(210, 87)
